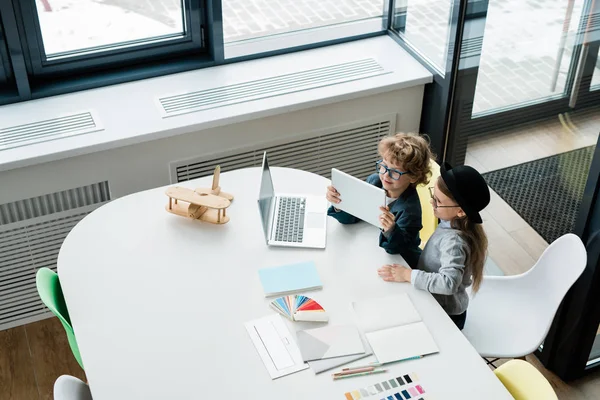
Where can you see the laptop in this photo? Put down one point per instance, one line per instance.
(291, 220)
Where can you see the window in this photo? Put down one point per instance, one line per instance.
(251, 19)
(288, 23)
(596, 78)
(71, 39)
(60, 46)
(425, 24)
(74, 27)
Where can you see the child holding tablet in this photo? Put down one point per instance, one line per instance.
(404, 164)
(454, 256)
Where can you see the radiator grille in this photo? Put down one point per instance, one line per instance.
(46, 130)
(268, 87)
(351, 149)
(31, 234)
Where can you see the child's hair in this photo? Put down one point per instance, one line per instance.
(410, 150)
(475, 237)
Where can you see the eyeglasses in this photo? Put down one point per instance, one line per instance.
(435, 203)
(393, 173)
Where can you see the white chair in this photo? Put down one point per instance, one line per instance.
(509, 317)
(68, 387)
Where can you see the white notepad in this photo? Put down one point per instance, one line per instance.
(394, 328)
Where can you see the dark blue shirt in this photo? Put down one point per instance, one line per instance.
(404, 238)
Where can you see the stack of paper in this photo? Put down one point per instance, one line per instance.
(394, 328)
(326, 364)
(299, 308)
(329, 342)
(288, 279)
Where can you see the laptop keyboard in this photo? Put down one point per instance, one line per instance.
(290, 219)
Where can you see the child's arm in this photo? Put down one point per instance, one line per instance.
(450, 275)
(342, 216)
(402, 235)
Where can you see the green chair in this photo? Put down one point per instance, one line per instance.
(48, 287)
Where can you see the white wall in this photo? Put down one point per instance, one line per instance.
(142, 166)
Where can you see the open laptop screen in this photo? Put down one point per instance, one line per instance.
(266, 196)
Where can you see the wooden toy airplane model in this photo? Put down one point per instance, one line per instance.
(205, 204)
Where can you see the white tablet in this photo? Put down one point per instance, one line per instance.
(359, 198)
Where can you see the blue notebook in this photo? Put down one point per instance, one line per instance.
(287, 279)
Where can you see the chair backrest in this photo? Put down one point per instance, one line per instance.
(541, 289)
(50, 291)
(524, 382)
(68, 387)
(429, 221)
(557, 269)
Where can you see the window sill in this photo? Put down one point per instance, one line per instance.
(129, 113)
(273, 43)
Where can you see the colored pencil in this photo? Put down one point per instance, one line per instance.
(378, 371)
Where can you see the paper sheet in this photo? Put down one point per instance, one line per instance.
(329, 341)
(385, 312)
(394, 344)
(275, 345)
(326, 364)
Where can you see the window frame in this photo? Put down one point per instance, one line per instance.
(35, 77)
(5, 67)
(39, 65)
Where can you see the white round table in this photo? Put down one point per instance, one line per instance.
(158, 302)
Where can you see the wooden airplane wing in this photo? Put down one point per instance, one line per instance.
(201, 199)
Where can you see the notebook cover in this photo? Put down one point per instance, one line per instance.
(289, 278)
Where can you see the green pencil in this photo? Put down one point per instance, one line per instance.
(377, 371)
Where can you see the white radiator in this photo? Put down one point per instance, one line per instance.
(31, 233)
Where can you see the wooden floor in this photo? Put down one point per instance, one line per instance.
(32, 357)
(513, 244)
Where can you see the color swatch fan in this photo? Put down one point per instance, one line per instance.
(299, 308)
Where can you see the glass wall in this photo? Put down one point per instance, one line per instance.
(527, 52)
(596, 78)
(425, 25)
(524, 115)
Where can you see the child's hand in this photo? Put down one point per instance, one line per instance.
(387, 219)
(333, 196)
(394, 273)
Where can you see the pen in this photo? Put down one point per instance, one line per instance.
(379, 371)
(347, 371)
(378, 364)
